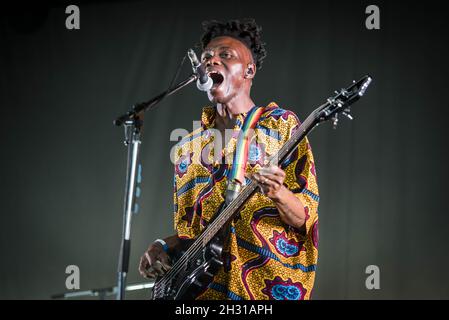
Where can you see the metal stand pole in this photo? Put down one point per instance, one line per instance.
(133, 123)
(132, 141)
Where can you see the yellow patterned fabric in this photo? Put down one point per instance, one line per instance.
(265, 258)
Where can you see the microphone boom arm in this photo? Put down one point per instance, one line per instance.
(140, 108)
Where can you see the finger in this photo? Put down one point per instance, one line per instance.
(143, 265)
(278, 171)
(165, 267)
(165, 261)
(149, 259)
(273, 170)
(263, 189)
(261, 183)
(157, 266)
(266, 170)
(271, 185)
(261, 179)
(150, 273)
(264, 185)
(272, 180)
(144, 269)
(153, 263)
(255, 177)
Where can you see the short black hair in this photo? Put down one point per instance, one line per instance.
(245, 30)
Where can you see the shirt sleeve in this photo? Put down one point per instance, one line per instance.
(182, 212)
(175, 204)
(301, 178)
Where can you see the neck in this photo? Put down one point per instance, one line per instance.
(233, 108)
(227, 113)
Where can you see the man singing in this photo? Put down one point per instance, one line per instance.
(271, 251)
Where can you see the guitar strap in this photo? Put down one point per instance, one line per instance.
(236, 176)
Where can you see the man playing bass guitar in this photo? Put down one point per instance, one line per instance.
(272, 247)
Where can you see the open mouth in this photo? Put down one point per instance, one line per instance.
(216, 77)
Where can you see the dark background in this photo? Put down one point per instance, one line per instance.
(382, 177)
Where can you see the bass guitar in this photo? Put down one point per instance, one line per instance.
(195, 269)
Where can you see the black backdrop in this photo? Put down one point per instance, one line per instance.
(382, 177)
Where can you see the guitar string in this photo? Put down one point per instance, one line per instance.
(158, 290)
(195, 248)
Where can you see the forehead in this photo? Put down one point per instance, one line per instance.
(227, 42)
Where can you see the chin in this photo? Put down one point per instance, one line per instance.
(216, 98)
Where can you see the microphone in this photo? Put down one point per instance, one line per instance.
(204, 82)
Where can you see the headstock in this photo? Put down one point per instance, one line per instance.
(341, 102)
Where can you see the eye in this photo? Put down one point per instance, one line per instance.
(226, 55)
(206, 55)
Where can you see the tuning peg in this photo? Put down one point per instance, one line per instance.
(347, 115)
(335, 121)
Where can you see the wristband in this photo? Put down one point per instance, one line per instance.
(163, 243)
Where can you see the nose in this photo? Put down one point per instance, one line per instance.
(213, 61)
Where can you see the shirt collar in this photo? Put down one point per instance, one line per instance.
(208, 118)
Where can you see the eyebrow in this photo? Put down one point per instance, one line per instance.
(220, 48)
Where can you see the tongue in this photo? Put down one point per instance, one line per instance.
(217, 79)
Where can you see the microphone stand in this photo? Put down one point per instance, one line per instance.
(133, 124)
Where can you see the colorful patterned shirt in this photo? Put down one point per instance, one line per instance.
(267, 259)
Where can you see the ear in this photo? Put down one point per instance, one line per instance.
(250, 71)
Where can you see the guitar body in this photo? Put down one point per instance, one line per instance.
(195, 274)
